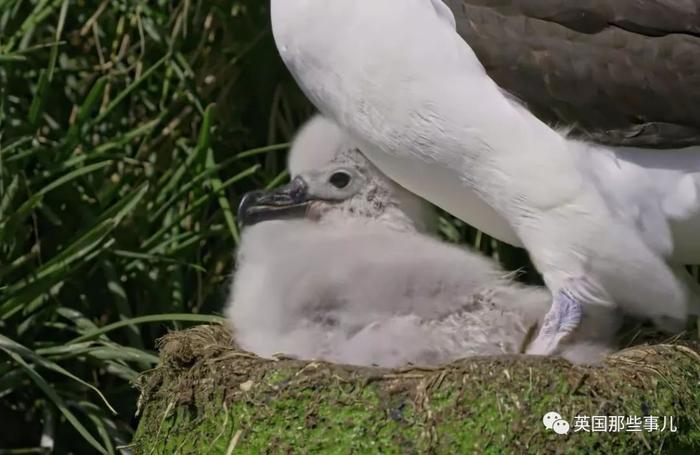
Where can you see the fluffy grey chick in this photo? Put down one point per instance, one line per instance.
(339, 265)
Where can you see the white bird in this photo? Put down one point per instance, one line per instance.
(605, 226)
(339, 266)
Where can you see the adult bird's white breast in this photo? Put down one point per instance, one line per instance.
(348, 65)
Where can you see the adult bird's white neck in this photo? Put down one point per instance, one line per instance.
(409, 98)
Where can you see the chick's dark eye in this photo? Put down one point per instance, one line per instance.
(340, 179)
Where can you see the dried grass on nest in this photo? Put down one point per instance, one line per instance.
(201, 366)
(208, 347)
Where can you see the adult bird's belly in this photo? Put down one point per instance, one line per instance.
(665, 185)
(686, 241)
(444, 188)
(685, 226)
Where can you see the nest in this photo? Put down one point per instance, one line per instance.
(207, 396)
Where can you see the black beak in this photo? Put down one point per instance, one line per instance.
(289, 201)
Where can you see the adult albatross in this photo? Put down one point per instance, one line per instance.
(603, 225)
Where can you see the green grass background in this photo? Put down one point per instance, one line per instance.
(128, 132)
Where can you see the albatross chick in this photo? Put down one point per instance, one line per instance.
(341, 265)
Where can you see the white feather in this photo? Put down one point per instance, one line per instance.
(444, 12)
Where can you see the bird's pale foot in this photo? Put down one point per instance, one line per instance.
(562, 319)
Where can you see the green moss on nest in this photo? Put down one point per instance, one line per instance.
(207, 397)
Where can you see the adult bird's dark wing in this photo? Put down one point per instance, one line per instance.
(620, 72)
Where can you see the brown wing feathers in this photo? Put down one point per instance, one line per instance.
(622, 72)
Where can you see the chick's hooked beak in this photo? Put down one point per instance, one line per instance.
(289, 201)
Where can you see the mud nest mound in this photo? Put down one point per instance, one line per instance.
(207, 396)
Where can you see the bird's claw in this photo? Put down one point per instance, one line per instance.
(562, 319)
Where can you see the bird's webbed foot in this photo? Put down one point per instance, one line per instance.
(562, 319)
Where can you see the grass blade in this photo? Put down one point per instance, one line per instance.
(209, 319)
(11, 346)
(56, 400)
